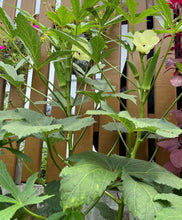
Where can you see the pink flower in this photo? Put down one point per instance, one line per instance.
(2, 47)
(174, 146)
(174, 4)
(176, 80)
(36, 26)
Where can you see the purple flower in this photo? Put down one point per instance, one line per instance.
(174, 146)
(2, 47)
(36, 26)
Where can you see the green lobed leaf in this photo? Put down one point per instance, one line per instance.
(132, 4)
(76, 7)
(63, 16)
(7, 199)
(74, 124)
(139, 198)
(147, 171)
(6, 181)
(85, 181)
(160, 127)
(175, 200)
(97, 45)
(169, 214)
(8, 23)
(164, 9)
(74, 41)
(55, 56)
(101, 85)
(29, 195)
(29, 37)
(9, 212)
(12, 76)
(19, 154)
(112, 127)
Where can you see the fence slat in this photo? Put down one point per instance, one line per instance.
(33, 147)
(164, 95)
(2, 92)
(107, 138)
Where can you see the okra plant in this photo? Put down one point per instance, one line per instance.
(77, 44)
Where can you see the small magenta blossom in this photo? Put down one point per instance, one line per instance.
(174, 4)
(2, 47)
(145, 41)
(36, 26)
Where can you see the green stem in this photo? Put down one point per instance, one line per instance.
(109, 84)
(41, 76)
(112, 197)
(92, 206)
(121, 208)
(28, 168)
(113, 67)
(139, 140)
(33, 214)
(155, 152)
(120, 135)
(47, 97)
(37, 108)
(129, 144)
(172, 105)
(80, 137)
(112, 149)
(50, 152)
(59, 156)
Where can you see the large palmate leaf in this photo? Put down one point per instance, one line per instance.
(25, 122)
(29, 37)
(20, 199)
(172, 212)
(85, 181)
(139, 198)
(93, 172)
(160, 127)
(147, 171)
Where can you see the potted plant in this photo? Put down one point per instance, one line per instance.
(148, 190)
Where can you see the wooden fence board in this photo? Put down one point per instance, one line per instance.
(14, 95)
(107, 138)
(33, 146)
(164, 94)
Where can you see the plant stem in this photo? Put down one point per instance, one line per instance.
(115, 144)
(33, 214)
(120, 135)
(155, 152)
(37, 108)
(121, 208)
(112, 197)
(138, 139)
(172, 105)
(50, 152)
(92, 206)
